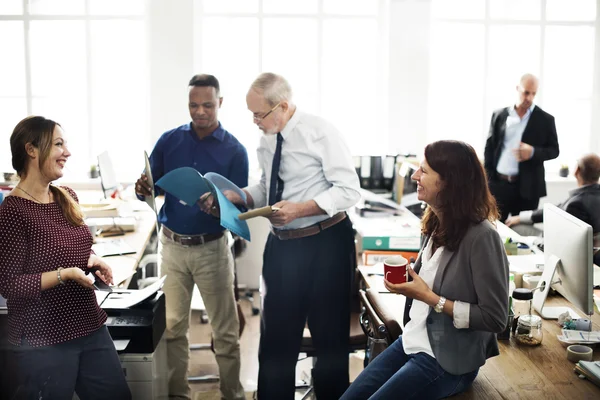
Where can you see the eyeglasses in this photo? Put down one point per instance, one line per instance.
(258, 119)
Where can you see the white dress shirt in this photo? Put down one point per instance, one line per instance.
(316, 164)
(515, 126)
(414, 335)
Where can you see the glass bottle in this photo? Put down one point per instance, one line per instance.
(522, 299)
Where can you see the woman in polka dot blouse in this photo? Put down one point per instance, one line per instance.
(55, 326)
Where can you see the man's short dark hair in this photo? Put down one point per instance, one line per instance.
(202, 80)
(589, 168)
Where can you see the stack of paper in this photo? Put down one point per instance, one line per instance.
(590, 370)
(100, 210)
(579, 337)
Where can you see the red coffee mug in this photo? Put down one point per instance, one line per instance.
(395, 269)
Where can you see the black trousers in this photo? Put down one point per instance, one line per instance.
(88, 366)
(307, 279)
(509, 198)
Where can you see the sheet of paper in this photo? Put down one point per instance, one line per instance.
(526, 263)
(120, 299)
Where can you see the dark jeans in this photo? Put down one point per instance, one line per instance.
(87, 365)
(307, 279)
(509, 198)
(397, 375)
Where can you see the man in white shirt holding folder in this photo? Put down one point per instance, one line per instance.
(309, 258)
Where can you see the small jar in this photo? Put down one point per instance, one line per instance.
(529, 330)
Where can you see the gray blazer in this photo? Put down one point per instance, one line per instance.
(476, 273)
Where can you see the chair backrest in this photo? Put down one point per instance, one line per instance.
(370, 322)
(392, 325)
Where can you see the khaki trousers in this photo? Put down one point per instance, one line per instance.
(210, 267)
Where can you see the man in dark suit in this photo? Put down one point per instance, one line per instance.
(521, 138)
(583, 202)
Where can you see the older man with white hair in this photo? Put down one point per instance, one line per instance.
(309, 258)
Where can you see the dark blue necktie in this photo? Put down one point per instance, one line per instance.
(276, 188)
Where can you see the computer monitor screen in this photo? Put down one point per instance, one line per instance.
(108, 178)
(568, 247)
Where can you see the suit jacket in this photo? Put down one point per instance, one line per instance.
(583, 203)
(476, 273)
(540, 133)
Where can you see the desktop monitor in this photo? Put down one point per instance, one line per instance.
(108, 178)
(568, 254)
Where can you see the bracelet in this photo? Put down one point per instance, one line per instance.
(60, 281)
(439, 307)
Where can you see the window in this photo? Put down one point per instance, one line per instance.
(83, 64)
(331, 51)
(479, 49)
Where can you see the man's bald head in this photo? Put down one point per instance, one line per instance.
(589, 168)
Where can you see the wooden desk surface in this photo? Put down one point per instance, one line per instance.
(519, 372)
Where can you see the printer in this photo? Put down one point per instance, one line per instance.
(142, 325)
(136, 322)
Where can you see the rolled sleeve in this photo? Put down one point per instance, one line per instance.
(326, 203)
(461, 314)
(259, 194)
(489, 266)
(339, 171)
(525, 217)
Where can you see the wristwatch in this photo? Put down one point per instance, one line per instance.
(439, 307)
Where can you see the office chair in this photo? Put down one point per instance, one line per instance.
(392, 325)
(374, 328)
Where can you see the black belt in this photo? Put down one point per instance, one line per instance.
(285, 234)
(190, 240)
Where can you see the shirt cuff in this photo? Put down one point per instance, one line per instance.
(257, 195)
(326, 203)
(525, 217)
(461, 314)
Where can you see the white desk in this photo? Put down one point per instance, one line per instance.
(124, 266)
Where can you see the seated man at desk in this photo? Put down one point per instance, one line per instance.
(583, 202)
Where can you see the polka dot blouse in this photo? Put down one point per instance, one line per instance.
(36, 238)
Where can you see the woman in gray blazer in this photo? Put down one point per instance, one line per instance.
(457, 294)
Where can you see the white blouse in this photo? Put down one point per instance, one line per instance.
(414, 336)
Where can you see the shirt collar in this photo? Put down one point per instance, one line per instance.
(291, 124)
(218, 133)
(512, 111)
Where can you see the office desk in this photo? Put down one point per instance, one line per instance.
(125, 266)
(519, 372)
